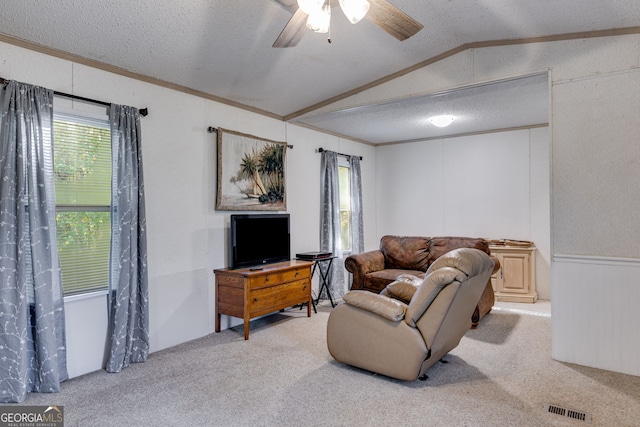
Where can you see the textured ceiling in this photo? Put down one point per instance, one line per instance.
(223, 48)
(515, 103)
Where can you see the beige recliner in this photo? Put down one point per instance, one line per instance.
(405, 329)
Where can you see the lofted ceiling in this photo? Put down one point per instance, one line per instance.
(222, 49)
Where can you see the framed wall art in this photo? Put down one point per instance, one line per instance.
(251, 173)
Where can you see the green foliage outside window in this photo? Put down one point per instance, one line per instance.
(83, 246)
(345, 207)
(82, 171)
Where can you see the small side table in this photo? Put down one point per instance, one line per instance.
(324, 276)
(319, 259)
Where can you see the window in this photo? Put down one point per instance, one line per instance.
(82, 168)
(344, 184)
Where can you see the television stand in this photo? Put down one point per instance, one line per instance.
(246, 293)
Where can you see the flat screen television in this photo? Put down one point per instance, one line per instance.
(258, 239)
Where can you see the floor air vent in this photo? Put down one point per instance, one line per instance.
(568, 413)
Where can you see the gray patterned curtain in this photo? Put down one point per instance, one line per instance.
(32, 335)
(357, 224)
(129, 309)
(330, 220)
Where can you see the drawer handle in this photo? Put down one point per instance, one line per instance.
(297, 273)
(255, 300)
(266, 279)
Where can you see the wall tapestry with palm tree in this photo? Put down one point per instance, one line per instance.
(251, 173)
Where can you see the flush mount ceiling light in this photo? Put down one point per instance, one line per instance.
(316, 15)
(442, 121)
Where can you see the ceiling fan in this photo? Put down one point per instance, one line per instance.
(316, 15)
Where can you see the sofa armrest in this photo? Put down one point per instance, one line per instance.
(361, 264)
(381, 305)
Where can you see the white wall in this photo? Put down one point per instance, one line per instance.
(492, 185)
(187, 237)
(597, 164)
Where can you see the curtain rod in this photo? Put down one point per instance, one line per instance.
(143, 111)
(320, 150)
(211, 129)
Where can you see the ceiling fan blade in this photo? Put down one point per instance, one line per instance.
(287, 4)
(293, 31)
(392, 20)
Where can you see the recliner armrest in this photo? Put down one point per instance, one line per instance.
(381, 305)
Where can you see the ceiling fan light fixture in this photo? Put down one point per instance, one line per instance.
(442, 121)
(319, 21)
(354, 10)
(310, 6)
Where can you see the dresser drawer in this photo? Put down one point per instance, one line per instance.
(274, 298)
(265, 280)
(278, 277)
(297, 274)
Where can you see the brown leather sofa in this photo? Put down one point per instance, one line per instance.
(406, 329)
(412, 255)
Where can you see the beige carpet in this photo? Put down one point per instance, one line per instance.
(500, 375)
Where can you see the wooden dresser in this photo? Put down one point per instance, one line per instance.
(247, 293)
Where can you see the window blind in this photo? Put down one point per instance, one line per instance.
(82, 167)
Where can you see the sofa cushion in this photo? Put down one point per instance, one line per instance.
(439, 246)
(471, 263)
(405, 253)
